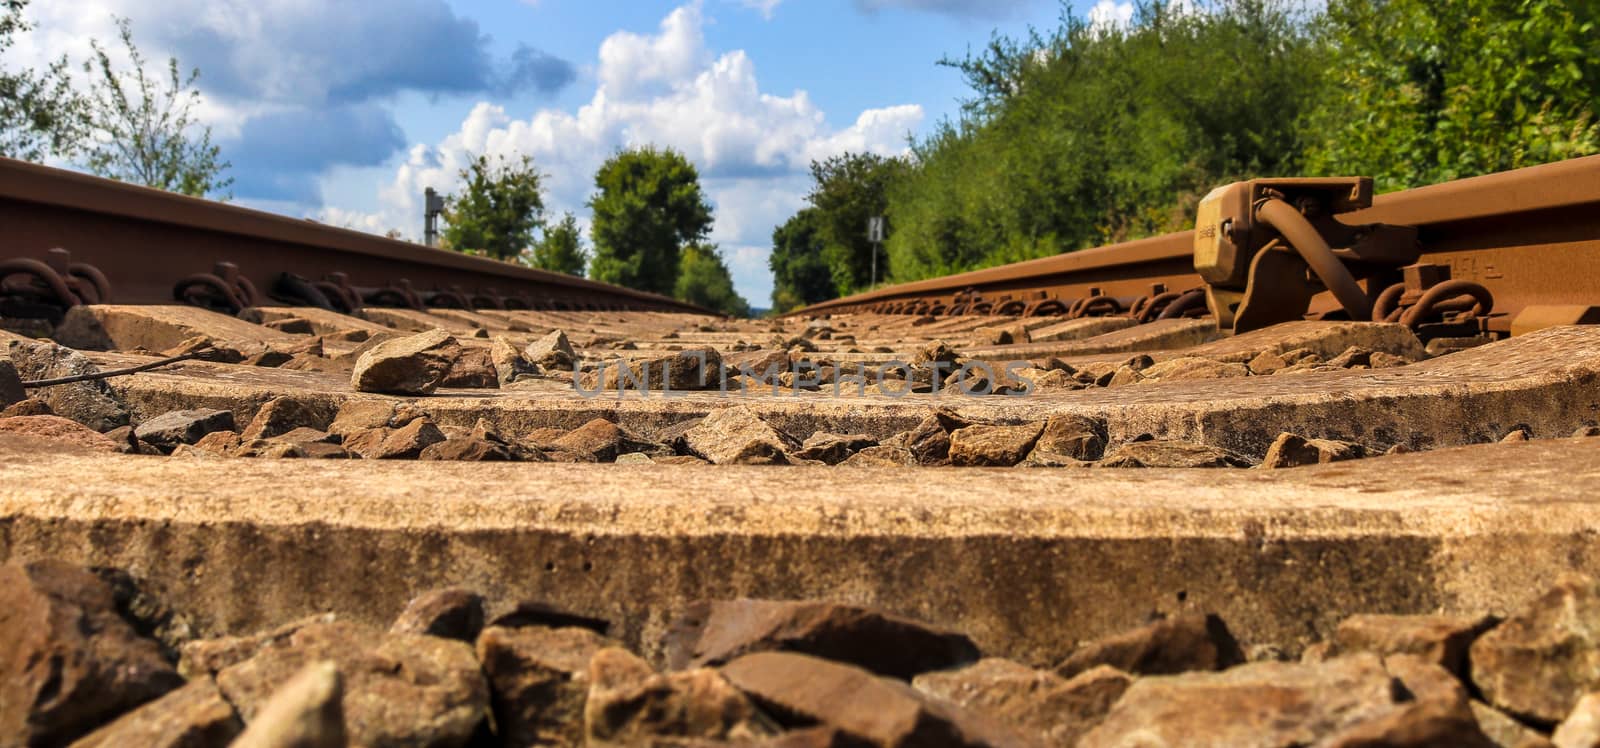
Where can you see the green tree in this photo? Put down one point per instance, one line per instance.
(1423, 92)
(648, 207)
(703, 279)
(1082, 136)
(561, 249)
(848, 190)
(800, 273)
(501, 206)
(40, 115)
(142, 127)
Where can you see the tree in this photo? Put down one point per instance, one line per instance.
(800, 273)
(648, 207)
(40, 115)
(142, 128)
(1088, 135)
(848, 190)
(703, 279)
(1426, 92)
(561, 250)
(502, 205)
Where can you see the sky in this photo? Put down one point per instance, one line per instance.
(344, 111)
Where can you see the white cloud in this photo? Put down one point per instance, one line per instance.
(1107, 15)
(293, 88)
(667, 89)
(767, 7)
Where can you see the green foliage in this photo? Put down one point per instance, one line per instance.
(1428, 91)
(561, 249)
(1089, 136)
(40, 115)
(142, 127)
(502, 205)
(800, 273)
(648, 208)
(703, 279)
(848, 190)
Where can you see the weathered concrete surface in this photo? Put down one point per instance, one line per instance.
(323, 321)
(1162, 334)
(158, 328)
(1546, 383)
(1078, 329)
(1036, 561)
(411, 320)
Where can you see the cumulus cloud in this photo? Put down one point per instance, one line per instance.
(316, 67)
(667, 88)
(767, 7)
(962, 8)
(1107, 15)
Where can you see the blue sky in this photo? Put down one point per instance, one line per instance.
(345, 110)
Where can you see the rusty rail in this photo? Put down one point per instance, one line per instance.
(133, 245)
(1528, 238)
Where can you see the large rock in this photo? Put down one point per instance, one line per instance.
(68, 659)
(1581, 729)
(994, 446)
(1292, 450)
(194, 716)
(738, 436)
(1504, 731)
(90, 403)
(800, 691)
(713, 633)
(601, 440)
(552, 351)
(413, 365)
(833, 449)
(540, 679)
(172, 428)
(1072, 436)
(509, 364)
(282, 415)
(399, 689)
(631, 704)
(1441, 640)
(468, 449)
(361, 415)
(204, 658)
(404, 443)
(1346, 701)
(11, 390)
(1540, 661)
(472, 368)
(1037, 702)
(448, 613)
(35, 407)
(1193, 367)
(305, 712)
(881, 456)
(1161, 453)
(1184, 642)
(929, 442)
(59, 432)
(698, 369)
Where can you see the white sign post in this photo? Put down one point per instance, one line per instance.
(875, 226)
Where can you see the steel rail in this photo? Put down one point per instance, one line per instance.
(144, 240)
(1531, 236)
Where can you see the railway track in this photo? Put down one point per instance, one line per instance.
(519, 524)
(74, 239)
(1526, 241)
